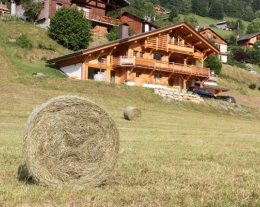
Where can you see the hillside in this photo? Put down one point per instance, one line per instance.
(177, 154)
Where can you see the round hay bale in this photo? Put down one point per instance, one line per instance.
(132, 113)
(70, 140)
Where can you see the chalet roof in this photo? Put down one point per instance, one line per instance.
(213, 32)
(80, 53)
(139, 19)
(247, 37)
(116, 4)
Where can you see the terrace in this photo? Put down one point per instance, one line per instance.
(158, 65)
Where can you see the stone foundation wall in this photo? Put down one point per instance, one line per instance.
(176, 95)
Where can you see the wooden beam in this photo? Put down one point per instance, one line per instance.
(205, 51)
(187, 36)
(197, 43)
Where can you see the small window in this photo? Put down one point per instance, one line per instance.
(209, 35)
(157, 78)
(157, 56)
(141, 54)
(138, 74)
(135, 53)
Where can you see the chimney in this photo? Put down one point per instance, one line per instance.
(123, 31)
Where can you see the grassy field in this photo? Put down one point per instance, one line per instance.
(177, 154)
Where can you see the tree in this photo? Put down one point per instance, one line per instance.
(182, 6)
(32, 10)
(214, 64)
(114, 33)
(248, 13)
(256, 5)
(216, 10)
(70, 28)
(173, 14)
(191, 20)
(200, 7)
(254, 26)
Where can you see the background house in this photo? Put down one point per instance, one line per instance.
(248, 40)
(3, 8)
(219, 42)
(138, 24)
(94, 10)
(222, 25)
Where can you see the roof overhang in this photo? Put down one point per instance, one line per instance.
(210, 48)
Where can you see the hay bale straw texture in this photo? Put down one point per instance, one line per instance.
(132, 113)
(70, 140)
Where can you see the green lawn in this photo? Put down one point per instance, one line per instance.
(177, 154)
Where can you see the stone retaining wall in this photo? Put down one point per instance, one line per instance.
(173, 94)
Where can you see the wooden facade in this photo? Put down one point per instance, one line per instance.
(172, 56)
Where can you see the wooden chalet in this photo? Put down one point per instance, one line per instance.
(219, 42)
(138, 24)
(159, 9)
(171, 56)
(3, 8)
(248, 40)
(94, 10)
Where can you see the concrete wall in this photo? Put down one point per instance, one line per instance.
(73, 71)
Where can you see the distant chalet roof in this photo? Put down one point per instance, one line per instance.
(247, 37)
(138, 19)
(80, 53)
(220, 23)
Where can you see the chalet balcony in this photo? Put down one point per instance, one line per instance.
(158, 65)
(181, 48)
(103, 19)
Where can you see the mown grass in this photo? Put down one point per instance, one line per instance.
(177, 154)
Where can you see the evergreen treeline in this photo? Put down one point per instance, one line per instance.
(243, 9)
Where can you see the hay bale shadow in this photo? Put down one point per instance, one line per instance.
(24, 175)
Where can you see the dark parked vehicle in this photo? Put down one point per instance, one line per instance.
(229, 99)
(202, 92)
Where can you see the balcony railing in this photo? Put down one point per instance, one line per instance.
(160, 66)
(181, 48)
(105, 19)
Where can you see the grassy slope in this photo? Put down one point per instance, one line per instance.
(177, 154)
(207, 21)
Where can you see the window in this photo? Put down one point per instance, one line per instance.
(138, 74)
(58, 6)
(141, 54)
(135, 53)
(157, 56)
(157, 78)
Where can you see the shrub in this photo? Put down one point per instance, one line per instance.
(259, 88)
(44, 47)
(24, 42)
(70, 28)
(32, 10)
(214, 64)
(252, 86)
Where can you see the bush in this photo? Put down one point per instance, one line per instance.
(259, 88)
(32, 10)
(24, 42)
(214, 64)
(44, 47)
(252, 86)
(70, 28)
